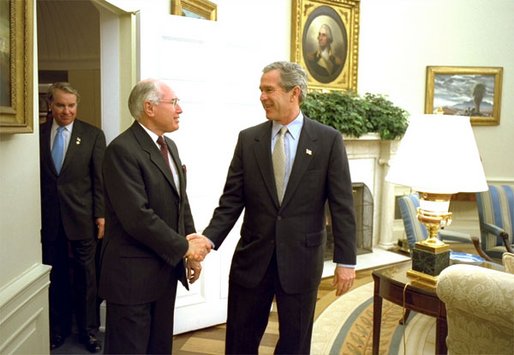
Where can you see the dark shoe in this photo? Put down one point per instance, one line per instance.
(56, 341)
(92, 344)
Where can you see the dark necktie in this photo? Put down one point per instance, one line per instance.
(164, 150)
(279, 163)
(58, 149)
(164, 153)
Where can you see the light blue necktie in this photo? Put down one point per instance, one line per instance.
(58, 149)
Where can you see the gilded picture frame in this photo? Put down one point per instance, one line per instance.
(465, 91)
(325, 41)
(16, 61)
(202, 9)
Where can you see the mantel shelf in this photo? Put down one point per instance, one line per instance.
(365, 137)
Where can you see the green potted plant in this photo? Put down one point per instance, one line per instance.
(355, 115)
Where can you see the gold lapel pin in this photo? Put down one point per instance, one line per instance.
(308, 151)
(77, 141)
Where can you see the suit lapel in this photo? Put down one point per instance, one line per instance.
(76, 139)
(307, 148)
(153, 152)
(262, 149)
(178, 166)
(182, 184)
(46, 153)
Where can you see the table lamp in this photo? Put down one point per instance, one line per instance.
(437, 157)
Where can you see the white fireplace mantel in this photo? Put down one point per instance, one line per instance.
(369, 158)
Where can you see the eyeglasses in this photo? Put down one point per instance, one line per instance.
(174, 102)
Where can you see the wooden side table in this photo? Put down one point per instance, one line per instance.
(392, 284)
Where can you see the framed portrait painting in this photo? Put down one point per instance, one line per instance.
(325, 41)
(465, 91)
(16, 61)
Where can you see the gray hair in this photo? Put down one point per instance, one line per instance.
(329, 32)
(62, 86)
(291, 75)
(145, 90)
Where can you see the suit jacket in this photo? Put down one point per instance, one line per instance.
(294, 230)
(74, 197)
(146, 220)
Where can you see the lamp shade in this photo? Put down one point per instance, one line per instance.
(438, 154)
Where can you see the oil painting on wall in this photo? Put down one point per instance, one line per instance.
(465, 91)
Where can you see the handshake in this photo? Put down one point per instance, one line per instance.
(199, 247)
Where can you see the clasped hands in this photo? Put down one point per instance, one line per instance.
(199, 247)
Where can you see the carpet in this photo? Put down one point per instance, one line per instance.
(346, 327)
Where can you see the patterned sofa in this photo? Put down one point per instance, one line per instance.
(480, 309)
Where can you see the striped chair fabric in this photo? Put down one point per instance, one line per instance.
(496, 216)
(415, 230)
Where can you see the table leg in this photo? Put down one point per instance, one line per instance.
(441, 332)
(377, 316)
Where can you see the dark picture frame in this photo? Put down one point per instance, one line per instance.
(465, 91)
(332, 65)
(16, 61)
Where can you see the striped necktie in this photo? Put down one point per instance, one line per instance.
(279, 163)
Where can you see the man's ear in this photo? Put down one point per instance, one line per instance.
(296, 92)
(148, 108)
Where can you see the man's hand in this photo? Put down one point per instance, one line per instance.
(194, 268)
(100, 224)
(343, 279)
(199, 247)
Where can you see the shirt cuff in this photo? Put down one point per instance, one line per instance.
(346, 265)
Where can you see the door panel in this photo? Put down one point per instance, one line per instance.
(186, 54)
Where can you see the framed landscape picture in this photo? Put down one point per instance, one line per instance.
(465, 91)
(325, 41)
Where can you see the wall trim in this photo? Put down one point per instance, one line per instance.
(24, 324)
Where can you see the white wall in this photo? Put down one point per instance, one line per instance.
(400, 38)
(23, 279)
(19, 216)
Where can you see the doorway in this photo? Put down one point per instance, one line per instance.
(68, 38)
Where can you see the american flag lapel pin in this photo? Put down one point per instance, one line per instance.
(308, 151)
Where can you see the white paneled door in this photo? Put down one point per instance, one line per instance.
(185, 53)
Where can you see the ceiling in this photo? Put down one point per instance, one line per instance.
(68, 33)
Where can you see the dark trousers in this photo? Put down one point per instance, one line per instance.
(248, 314)
(99, 300)
(141, 329)
(73, 287)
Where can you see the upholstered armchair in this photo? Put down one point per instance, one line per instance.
(479, 309)
(415, 230)
(508, 262)
(496, 217)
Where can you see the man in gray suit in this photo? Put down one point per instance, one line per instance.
(280, 253)
(72, 215)
(148, 216)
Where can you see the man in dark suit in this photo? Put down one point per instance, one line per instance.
(280, 253)
(72, 215)
(148, 215)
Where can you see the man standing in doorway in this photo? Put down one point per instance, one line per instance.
(72, 215)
